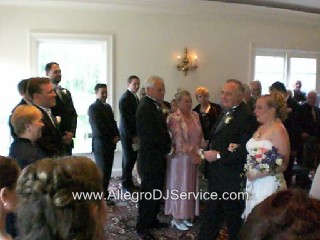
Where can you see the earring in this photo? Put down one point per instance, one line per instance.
(5, 204)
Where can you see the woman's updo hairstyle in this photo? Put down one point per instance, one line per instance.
(276, 100)
(48, 207)
(180, 94)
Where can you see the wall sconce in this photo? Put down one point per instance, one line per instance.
(187, 62)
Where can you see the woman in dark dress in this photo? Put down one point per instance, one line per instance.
(208, 111)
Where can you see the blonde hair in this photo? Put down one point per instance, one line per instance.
(22, 115)
(179, 95)
(201, 90)
(276, 100)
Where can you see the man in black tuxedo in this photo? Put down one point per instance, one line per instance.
(155, 144)
(64, 106)
(298, 95)
(105, 135)
(310, 131)
(225, 168)
(42, 94)
(128, 105)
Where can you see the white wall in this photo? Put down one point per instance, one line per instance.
(148, 36)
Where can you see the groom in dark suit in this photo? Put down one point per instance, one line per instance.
(225, 168)
(128, 105)
(155, 144)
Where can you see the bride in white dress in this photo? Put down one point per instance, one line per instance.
(270, 111)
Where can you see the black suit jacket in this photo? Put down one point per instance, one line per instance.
(224, 174)
(65, 109)
(102, 122)
(308, 125)
(51, 140)
(25, 152)
(155, 141)
(128, 105)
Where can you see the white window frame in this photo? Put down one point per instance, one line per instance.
(38, 37)
(287, 54)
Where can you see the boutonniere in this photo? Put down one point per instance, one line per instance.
(228, 119)
(58, 120)
(64, 91)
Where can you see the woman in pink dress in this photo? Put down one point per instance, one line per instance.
(182, 168)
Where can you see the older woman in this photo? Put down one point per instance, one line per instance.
(50, 191)
(268, 149)
(182, 177)
(9, 173)
(27, 123)
(208, 111)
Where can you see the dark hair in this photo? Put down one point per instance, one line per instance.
(34, 85)
(287, 214)
(46, 192)
(99, 85)
(22, 86)
(9, 172)
(132, 77)
(278, 86)
(49, 66)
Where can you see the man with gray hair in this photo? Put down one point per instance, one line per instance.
(155, 144)
(256, 88)
(225, 168)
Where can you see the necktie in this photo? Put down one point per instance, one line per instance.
(52, 118)
(137, 99)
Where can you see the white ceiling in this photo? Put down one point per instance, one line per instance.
(310, 6)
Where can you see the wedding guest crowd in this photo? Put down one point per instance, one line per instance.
(168, 142)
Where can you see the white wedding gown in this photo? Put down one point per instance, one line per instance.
(261, 188)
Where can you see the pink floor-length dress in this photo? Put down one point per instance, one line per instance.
(182, 173)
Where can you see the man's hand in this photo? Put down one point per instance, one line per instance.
(211, 155)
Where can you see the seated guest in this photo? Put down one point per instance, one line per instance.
(9, 173)
(46, 191)
(315, 187)
(288, 214)
(27, 123)
(182, 171)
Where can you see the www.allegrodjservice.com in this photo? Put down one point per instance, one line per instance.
(157, 195)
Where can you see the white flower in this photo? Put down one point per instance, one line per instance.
(64, 91)
(228, 119)
(279, 161)
(58, 119)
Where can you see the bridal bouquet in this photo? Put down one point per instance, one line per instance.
(264, 160)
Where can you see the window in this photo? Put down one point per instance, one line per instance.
(285, 66)
(84, 61)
